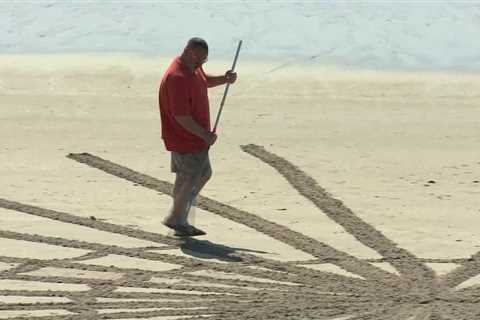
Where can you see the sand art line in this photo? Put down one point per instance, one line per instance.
(402, 259)
(81, 303)
(276, 231)
(405, 262)
(365, 233)
(297, 292)
(99, 250)
(332, 279)
(381, 260)
(188, 264)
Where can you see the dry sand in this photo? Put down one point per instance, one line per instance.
(336, 195)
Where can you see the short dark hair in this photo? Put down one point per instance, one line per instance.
(196, 42)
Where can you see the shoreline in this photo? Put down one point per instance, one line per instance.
(135, 60)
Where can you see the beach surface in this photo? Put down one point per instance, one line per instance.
(352, 193)
(346, 174)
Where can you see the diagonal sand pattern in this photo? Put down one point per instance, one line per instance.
(29, 249)
(283, 290)
(278, 232)
(465, 271)
(74, 273)
(401, 259)
(16, 221)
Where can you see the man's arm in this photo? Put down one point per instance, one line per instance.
(213, 81)
(228, 77)
(193, 127)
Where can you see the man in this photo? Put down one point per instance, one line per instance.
(186, 132)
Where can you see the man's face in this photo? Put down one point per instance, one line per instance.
(200, 56)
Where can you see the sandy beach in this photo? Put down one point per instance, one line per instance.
(337, 194)
(346, 174)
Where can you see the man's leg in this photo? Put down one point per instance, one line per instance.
(182, 191)
(198, 185)
(202, 181)
(192, 172)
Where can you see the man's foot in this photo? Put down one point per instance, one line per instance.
(185, 230)
(195, 231)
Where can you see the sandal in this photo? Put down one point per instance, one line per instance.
(185, 230)
(195, 231)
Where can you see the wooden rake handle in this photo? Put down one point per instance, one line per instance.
(226, 87)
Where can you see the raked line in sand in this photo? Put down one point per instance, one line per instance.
(106, 281)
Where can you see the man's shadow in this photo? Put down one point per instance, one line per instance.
(205, 249)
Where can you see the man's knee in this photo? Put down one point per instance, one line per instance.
(183, 180)
(203, 179)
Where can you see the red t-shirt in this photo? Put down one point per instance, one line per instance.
(183, 92)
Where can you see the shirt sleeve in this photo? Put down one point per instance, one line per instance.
(179, 97)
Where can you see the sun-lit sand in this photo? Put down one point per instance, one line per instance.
(400, 150)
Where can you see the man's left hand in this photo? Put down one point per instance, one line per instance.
(230, 76)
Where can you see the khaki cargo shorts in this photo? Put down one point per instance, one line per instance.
(192, 164)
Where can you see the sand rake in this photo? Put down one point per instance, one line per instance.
(226, 87)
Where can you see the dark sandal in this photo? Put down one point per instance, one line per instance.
(195, 231)
(185, 230)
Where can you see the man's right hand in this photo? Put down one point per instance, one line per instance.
(193, 127)
(210, 138)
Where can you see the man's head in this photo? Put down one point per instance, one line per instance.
(196, 52)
